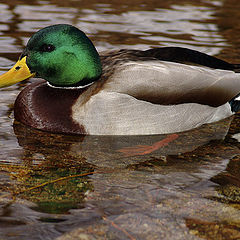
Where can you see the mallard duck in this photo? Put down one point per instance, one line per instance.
(124, 92)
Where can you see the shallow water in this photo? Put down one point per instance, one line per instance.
(176, 186)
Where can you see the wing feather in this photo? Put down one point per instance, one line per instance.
(167, 83)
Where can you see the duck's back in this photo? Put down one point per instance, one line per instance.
(142, 95)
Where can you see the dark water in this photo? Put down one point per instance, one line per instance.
(177, 186)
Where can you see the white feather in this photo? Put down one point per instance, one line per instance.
(115, 110)
(121, 114)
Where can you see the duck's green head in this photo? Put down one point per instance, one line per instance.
(61, 54)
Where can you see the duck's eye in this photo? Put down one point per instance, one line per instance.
(47, 48)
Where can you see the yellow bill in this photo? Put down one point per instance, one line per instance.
(17, 73)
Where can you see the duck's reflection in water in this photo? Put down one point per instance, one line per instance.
(115, 151)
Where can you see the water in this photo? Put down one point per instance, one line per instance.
(75, 187)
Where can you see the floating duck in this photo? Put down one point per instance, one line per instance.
(123, 92)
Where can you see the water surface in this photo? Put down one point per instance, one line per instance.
(176, 186)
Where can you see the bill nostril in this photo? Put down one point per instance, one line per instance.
(17, 68)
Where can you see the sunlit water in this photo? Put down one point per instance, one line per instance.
(138, 188)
